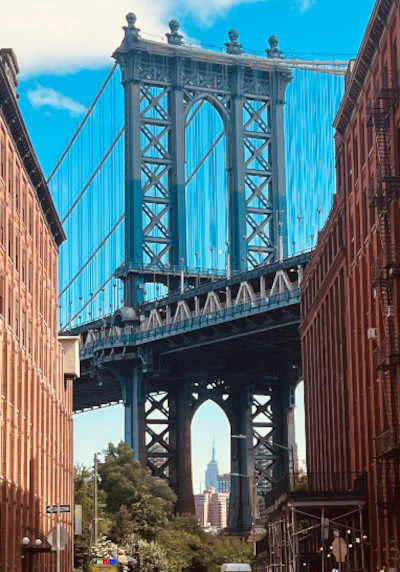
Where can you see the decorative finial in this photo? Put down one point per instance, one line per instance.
(233, 46)
(273, 51)
(174, 37)
(131, 32)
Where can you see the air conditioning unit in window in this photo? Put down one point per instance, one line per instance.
(390, 311)
(372, 334)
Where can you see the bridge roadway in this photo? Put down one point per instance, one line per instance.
(248, 321)
(232, 340)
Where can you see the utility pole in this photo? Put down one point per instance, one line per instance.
(95, 515)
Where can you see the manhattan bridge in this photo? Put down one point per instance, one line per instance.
(186, 196)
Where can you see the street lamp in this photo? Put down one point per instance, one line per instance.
(291, 456)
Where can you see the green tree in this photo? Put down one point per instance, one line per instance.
(151, 555)
(148, 502)
(229, 550)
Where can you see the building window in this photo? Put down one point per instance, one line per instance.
(17, 180)
(23, 328)
(3, 157)
(17, 319)
(23, 205)
(349, 174)
(397, 166)
(9, 317)
(10, 176)
(369, 137)
(362, 142)
(29, 336)
(23, 266)
(2, 228)
(17, 253)
(10, 239)
(30, 277)
(30, 217)
(2, 296)
(355, 158)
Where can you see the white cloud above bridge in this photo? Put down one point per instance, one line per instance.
(59, 37)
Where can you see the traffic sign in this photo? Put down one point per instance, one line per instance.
(63, 537)
(55, 508)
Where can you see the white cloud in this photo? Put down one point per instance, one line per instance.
(305, 5)
(48, 97)
(60, 36)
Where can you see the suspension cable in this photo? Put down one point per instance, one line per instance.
(90, 180)
(82, 123)
(82, 268)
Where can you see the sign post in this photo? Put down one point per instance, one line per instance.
(61, 535)
(58, 547)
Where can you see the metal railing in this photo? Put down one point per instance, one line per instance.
(388, 353)
(388, 442)
(329, 484)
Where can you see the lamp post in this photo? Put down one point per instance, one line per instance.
(291, 457)
(95, 515)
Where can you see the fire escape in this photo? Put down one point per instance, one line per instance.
(385, 271)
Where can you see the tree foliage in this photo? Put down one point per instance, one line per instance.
(140, 503)
(136, 514)
(229, 550)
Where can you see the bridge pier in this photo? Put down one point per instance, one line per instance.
(134, 406)
(183, 486)
(242, 476)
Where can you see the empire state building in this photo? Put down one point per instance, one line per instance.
(212, 471)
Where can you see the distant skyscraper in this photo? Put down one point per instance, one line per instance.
(212, 471)
(224, 483)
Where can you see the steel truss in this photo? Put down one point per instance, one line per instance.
(162, 84)
(169, 412)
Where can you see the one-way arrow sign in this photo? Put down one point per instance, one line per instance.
(54, 508)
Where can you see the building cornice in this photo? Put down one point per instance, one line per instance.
(369, 47)
(13, 118)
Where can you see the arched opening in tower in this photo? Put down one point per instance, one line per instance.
(211, 462)
(206, 187)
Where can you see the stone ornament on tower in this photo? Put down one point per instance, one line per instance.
(273, 51)
(174, 37)
(233, 46)
(131, 32)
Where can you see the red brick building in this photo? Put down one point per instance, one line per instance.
(350, 292)
(36, 465)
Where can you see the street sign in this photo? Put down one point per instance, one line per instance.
(55, 508)
(52, 537)
(78, 519)
(339, 549)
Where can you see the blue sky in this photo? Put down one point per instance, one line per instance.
(64, 53)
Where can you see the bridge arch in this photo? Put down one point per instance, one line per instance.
(210, 440)
(206, 182)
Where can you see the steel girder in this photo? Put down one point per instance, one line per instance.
(161, 86)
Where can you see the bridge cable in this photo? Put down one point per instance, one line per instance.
(82, 123)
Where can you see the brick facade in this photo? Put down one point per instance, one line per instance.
(36, 464)
(350, 294)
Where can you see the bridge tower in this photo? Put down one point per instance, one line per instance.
(162, 83)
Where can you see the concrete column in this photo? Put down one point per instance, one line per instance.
(237, 197)
(134, 412)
